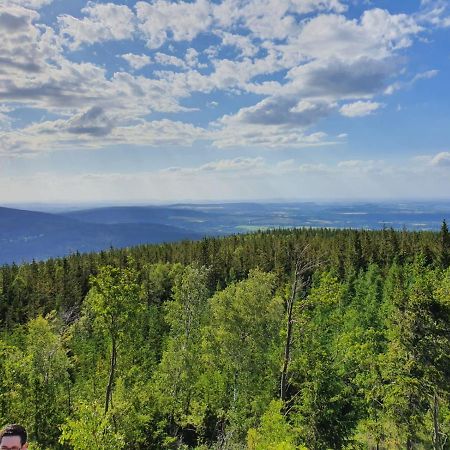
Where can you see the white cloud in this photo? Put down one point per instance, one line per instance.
(183, 21)
(435, 12)
(427, 75)
(267, 136)
(32, 4)
(360, 167)
(136, 61)
(266, 19)
(277, 21)
(301, 67)
(5, 120)
(169, 60)
(359, 108)
(25, 47)
(376, 35)
(281, 111)
(34, 71)
(442, 159)
(224, 178)
(94, 128)
(160, 133)
(243, 44)
(336, 79)
(192, 60)
(103, 22)
(224, 165)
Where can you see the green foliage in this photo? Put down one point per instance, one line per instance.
(274, 432)
(181, 346)
(90, 429)
(243, 348)
(48, 381)
(180, 368)
(444, 246)
(113, 300)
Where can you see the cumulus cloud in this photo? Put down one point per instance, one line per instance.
(169, 60)
(35, 71)
(93, 122)
(359, 108)
(160, 133)
(32, 4)
(102, 22)
(95, 129)
(16, 20)
(243, 44)
(182, 21)
(299, 60)
(339, 79)
(375, 35)
(136, 61)
(268, 136)
(277, 21)
(24, 46)
(281, 111)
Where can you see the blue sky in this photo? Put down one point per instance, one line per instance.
(164, 101)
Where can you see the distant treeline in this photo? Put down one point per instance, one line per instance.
(61, 284)
(283, 339)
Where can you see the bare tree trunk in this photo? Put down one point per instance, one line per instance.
(112, 370)
(302, 266)
(289, 326)
(409, 444)
(437, 445)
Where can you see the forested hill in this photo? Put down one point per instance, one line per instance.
(27, 235)
(284, 339)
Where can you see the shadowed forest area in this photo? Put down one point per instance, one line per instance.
(283, 339)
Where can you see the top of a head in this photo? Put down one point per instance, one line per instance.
(14, 430)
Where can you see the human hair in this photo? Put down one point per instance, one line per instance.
(14, 429)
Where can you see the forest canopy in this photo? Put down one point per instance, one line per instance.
(283, 339)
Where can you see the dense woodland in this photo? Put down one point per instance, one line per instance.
(277, 340)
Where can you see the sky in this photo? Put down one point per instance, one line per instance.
(166, 101)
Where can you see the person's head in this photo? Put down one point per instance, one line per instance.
(13, 437)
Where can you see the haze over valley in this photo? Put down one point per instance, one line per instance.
(27, 235)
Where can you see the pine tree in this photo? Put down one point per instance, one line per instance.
(444, 246)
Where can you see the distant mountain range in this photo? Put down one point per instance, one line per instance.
(27, 235)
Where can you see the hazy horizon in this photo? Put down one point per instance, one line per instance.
(187, 201)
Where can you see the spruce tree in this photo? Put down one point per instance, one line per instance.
(444, 245)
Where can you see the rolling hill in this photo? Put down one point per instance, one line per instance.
(28, 235)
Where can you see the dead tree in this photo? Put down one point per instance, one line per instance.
(303, 266)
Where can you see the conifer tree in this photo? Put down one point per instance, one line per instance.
(444, 245)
